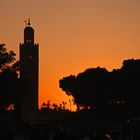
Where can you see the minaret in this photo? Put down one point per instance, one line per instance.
(29, 71)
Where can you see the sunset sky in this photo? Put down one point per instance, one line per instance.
(73, 35)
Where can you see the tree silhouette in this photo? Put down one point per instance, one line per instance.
(6, 58)
(104, 91)
(12, 89)
(86, 87)
(55, 106)
(7, 84)
(64, 105)
(44, 105)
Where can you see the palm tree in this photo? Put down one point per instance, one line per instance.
(70, 104)
(44, 105)
(60, 107)
(55, 106)
(64, 105)
(48, 105)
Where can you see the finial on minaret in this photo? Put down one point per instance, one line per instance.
(29, 22)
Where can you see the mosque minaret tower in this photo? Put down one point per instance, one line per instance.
(29, 53)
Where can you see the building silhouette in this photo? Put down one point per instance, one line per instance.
(29, 53)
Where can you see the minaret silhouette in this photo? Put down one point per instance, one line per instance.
(29, 71)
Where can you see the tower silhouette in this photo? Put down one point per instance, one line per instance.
(29, 71)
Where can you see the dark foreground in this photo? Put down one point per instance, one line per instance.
(70, 127)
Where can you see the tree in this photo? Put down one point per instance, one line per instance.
(86, 87)
(12, 89)
(8, 83)
(55, 106)
(101, 90)
(64, 105)
(6, 58)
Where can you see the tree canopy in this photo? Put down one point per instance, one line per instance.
(99, 89)
(6, 57)
(11, 87)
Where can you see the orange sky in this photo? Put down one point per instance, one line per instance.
(73, 35)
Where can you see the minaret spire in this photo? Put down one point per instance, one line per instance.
(29, 23)
(28, 33)
(29, 71)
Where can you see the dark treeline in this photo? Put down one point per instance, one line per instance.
(12, 88)
(106, 92)
(101, 97)
(54, 106)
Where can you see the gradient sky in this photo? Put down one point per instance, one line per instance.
(73, 35)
